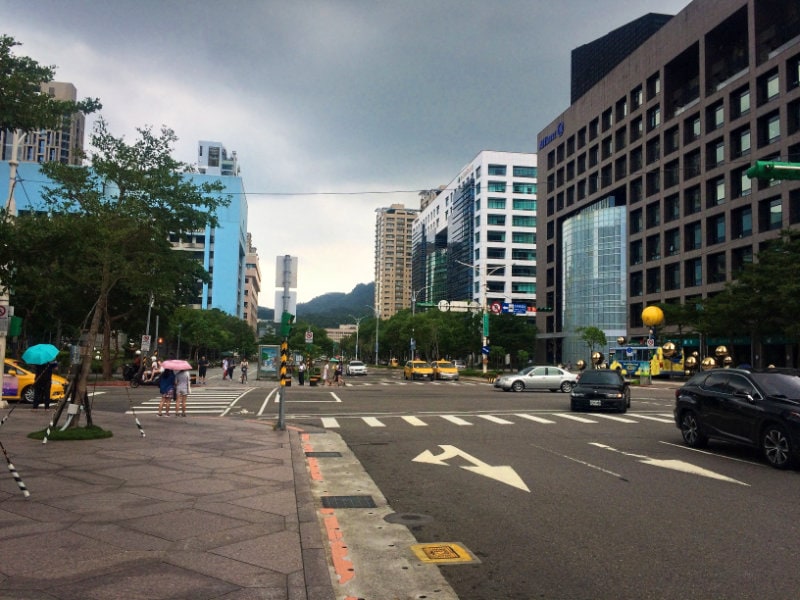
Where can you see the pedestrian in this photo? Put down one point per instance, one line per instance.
(42, 385)
(331, 375)
(338, 375)
(325, 371)
(224, 369)
(231, 367)
(166, 385)
(301, 373)
(243, 366)
(183, 387)
(202, 369)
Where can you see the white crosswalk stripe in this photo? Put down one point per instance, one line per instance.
(202, 401)
(505, 419)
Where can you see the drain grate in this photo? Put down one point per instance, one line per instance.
(324, 454)
(348, 502)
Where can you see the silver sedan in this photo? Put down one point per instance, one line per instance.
(538, 378)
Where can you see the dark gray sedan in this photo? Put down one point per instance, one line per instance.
(601, 389)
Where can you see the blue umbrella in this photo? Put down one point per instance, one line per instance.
(40, 354)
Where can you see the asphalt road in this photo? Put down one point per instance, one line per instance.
(550, 506)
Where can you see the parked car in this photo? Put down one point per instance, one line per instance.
(356, 367)
(601, 389)
(417, 369)
(756, 408)
(460, 364)
(537, 378)
(18, 382)
(444, 370)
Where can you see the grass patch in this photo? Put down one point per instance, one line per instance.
(72, 433)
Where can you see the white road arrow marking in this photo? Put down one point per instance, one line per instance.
(503, 474)
(675, 465)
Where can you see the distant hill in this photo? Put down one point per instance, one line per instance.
(333, 309)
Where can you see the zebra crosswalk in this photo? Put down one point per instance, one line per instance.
(467, 420)
(202, 401)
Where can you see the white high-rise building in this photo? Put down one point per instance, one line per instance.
(213, 159)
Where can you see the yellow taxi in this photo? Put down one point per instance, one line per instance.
(444, 370)
(417, 369)
(18, 383)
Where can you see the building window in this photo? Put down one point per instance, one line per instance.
(525, 171)
(524, 204)
(672, 276)
(693, 272)
(496, 220)
(653, 182)
(715, 267)
(622, 109)
(521, 221)
(636, 159)
(715, 153)
(653, 150)
(637, 97)
(607, 147)
(715, 229)
(740, 142)
(636, 221)
(671, 140)
(636, 284)
(741, 257)
(519, 237)
(496, 186)
(495, 236)
(672, 208)
(496, 203)
(636, 252)
(740, 102)
(653, 247)
(653, 217)
(499, 170)
(653, 280)
(653, 118)
(742, 184)
(769, 128)
(715, 116)
(742, 222)
(637, 129)
(769, 86)
(693, 236)
(525, 188)
(607, 119)
(672, 174)
(770, 214)
(715, 192)
(495, 253)
(636, 193)
(691, 129)
(672, 241)
(653, 86)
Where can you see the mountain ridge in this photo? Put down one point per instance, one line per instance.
(333, 308)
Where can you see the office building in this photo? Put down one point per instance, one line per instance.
(64, 144)
(213, 159)
(645, 196)
(393, 259)
(252, 284)
(476, 240)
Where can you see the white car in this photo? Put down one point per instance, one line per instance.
(538, 378)
(356, 367)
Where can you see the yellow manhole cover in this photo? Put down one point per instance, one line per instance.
(443, 553)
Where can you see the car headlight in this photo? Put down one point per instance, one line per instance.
(577, 394)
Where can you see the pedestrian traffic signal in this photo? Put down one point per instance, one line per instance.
(287, 320)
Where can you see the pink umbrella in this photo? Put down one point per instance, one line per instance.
(177, 365)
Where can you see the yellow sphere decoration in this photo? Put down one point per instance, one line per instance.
(652, 316)
(708, 363)
(691, 362)
(668, 349)
(721, 351)
(727, 361)
(620, 340)
(581, 364)
(597, 358)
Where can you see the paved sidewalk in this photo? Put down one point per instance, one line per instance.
(201, 507)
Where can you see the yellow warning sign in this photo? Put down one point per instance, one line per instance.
(443, 553)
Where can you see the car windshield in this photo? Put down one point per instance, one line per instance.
(443, 364)
(420, 365)
(601, 377)
(778, 384)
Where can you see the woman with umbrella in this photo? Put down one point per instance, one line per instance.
(42, 355)
(182, 382)
(166, 385)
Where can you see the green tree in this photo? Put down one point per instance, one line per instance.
(132, 197)
(593, 336)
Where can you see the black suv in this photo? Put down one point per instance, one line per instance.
(757, 408)
(600, 389)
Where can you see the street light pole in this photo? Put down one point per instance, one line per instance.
(358, 325)
(377, 323)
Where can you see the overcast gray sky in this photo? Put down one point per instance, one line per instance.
(357, 102)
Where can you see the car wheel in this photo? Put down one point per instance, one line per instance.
(567, 386)
(776, 446)
(624, 408)
(690, 430)
(28, 394)
(517, 386)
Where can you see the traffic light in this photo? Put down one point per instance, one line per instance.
(544, 309)
(774, 170)
(287, 320)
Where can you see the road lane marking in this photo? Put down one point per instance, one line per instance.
(373, 422)
(574, 418)
(616, 418)
(415, 421)
(502, 473)
(330, 423)
(657, 419)
(536, 419)
(455, 420)
(498, 420)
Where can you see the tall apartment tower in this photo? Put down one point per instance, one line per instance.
(213, 159)
(63, 145)
(252, 284)
(393, 259)
(476, 240)
(646, 199)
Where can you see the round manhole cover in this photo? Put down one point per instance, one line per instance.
(408, 518)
